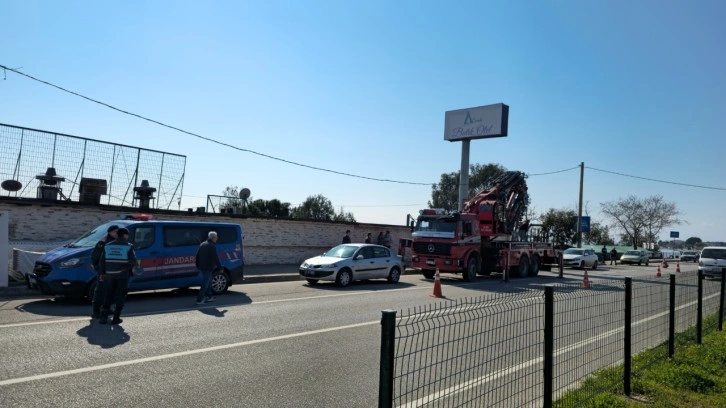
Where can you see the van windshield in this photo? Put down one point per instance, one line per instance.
(90, 238)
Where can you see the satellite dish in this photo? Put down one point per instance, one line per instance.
(244, 193)
(13, 185)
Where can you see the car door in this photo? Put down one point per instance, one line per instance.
(384, 262)
(365, 267)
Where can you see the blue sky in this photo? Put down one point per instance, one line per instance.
(361, 87)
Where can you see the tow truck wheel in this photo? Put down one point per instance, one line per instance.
(534, 266)
(428, 274)
(523, 269)
(470, 272)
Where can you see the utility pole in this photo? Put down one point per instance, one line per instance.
(579, 210)
(464, 175)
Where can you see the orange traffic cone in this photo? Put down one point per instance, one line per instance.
(585, 281)
(678, 267)
(657, 274)
(437, 286)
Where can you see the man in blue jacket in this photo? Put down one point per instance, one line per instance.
(117, 263)
(207, 262)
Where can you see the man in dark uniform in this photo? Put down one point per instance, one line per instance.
(346, 237)
(117, 263)
(100, 290)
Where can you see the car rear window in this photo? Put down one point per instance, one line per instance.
(714, 253)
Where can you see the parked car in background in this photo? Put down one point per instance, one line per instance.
(712, 260)
(635, 257)
(346, 263)
(691, 256)
(580, 258)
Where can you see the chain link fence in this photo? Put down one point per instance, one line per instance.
(108, 172)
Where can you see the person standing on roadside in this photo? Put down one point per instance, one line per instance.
(613, 257)
(99, 292)
(388, 240)
(117, 263)
(368, 238)
(379, 240)
(346, 237)
(207, 262)
(604, 252)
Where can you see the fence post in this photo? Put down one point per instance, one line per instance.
(627, 340)
(388, 337)
(699, 313)
(723, 294)
(549, 334)
(672, 317)
(562, 265)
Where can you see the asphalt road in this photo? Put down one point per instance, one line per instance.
(284, 344)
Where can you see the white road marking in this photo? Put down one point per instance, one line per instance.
(179, 354)
(187, 309)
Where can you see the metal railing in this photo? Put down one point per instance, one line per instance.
(27, 153)
(531, 347)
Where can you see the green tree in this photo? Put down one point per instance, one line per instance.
(693, 241)
(560, 226)
(445, 194)
(599, 235)
(316, 207)
(232, 199)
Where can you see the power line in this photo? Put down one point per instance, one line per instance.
(658, 181)
(551, 172)
(209, 139)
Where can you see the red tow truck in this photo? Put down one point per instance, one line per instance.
(484, 237)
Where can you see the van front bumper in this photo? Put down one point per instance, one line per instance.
(57, 287)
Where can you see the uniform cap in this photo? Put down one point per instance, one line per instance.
(112, 228)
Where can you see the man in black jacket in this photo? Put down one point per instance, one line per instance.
(100, 290)
(207, 261)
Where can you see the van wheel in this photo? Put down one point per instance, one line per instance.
(220, 282)
(91, 289)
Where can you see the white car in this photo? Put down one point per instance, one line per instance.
(346, 263)
(712, 260)
(635, 257)
(579, 258)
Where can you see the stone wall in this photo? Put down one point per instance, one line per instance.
(266, 241)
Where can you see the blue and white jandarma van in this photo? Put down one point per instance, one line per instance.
(166, 251)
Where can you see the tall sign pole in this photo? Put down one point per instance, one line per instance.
(464, 174)
(579, 210)
(474, 123)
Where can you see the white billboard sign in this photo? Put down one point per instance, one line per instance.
(477, 123)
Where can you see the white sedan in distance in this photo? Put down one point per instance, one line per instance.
(579, 258)
(346, 263)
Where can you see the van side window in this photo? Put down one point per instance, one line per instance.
(143, 237)
(176, 236)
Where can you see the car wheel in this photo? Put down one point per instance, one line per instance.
(220, 282)
(594, 265)
(582, 264)
(534, 266)
(470, 272)
(639, 262)
(312, 281)
(394, 275)
(646, 262)
(523, 269)
(428, 274)
(344, 278)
